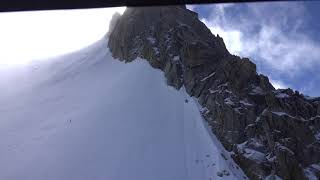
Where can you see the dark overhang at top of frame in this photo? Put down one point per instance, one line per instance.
(32, 5)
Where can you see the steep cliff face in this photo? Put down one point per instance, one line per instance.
(268, 131)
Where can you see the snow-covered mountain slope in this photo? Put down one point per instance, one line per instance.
(88, 116)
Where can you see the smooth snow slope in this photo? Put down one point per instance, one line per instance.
(87, 116)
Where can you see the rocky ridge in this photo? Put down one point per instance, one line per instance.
(267, 131)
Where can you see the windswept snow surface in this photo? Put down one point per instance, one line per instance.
(88, 116)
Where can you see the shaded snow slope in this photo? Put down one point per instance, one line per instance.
(87, 116)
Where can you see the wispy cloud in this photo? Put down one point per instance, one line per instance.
(271, 34)
(267, 32)
(191, 7)
(278, 84)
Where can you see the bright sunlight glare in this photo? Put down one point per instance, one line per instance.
(39, 35)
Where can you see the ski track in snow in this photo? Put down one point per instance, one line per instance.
(88, 116)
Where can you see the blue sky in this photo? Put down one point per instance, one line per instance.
(282, 38)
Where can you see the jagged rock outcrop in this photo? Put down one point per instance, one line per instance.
(268, 131)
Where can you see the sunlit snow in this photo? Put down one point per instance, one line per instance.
(88, 116)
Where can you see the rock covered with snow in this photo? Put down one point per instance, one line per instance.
(271, 132)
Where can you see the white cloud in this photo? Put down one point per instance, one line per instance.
(278, 84)
(232, 38)
(27, 36)
(276, 41)
(190, 7)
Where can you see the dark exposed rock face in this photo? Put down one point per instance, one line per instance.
(269, 131)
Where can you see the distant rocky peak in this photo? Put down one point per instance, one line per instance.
(114, 20)
(161, 26)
